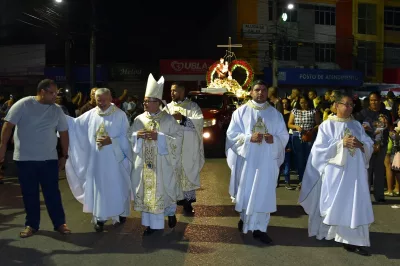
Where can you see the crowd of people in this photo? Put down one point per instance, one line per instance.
(155, 161)
(304, 112)
(116, 155)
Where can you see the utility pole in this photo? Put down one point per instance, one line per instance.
(93, 48)
(68, 65)
(274, 42)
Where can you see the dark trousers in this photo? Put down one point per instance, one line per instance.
(45, 173)
(302, 151)
(376, 173)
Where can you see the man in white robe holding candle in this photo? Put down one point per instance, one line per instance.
(157, 141)
(255, 145)
(99, 165)
(335, 192)
(189, 116)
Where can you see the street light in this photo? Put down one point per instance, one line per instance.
(59, 1)
(275, 18)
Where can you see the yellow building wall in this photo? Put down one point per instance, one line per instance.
(378, 38)
(247, 14)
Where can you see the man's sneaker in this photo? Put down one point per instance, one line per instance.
(289, 187)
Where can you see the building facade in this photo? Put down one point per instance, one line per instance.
(358, 35)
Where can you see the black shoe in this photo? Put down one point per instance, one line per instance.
(99, 226)
(262, 236)
(289, 187)
(240, 226)
(356, 249)
(149, 231)
(381, 201)
(172, 221)
(188, 208)
(122, 220)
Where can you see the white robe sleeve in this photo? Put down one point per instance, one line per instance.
(136, 142)
(324, 149)
(79, 155)
(236, 138)
(120, 143)
(162, 144)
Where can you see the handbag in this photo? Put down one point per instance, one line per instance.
(307, 136)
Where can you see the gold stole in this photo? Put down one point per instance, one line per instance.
(151, 203)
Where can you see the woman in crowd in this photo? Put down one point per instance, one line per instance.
(304, 121)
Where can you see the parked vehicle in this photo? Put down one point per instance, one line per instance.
(217, 110)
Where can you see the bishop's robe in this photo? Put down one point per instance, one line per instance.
(99, 177)
(255, 167)
(156, 167)
(335, 191)
(192, 145)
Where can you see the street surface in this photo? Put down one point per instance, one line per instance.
(209, 238)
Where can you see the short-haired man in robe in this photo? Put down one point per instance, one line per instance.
(335, 192)
(157, 141)
(99, 164)
(189, 116)
(255, 146)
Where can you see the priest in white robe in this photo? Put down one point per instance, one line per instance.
(189, 116)
(255, 146)
(335, 192)
(157, 140)
(99, 165)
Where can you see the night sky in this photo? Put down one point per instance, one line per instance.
(128, 31)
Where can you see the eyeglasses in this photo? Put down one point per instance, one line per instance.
(150, 101)
(347, 104)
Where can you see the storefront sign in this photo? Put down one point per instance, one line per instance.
(185, 67)
(300, 76)
(127, 72)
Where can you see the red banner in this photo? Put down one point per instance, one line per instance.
(185, 67)
(391, 75)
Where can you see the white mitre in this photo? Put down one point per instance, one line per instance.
(154, 88)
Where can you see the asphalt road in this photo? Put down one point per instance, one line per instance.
(209, 238)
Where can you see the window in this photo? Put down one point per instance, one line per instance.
(292, 14)
(367, 58)
(392, 18)
(325, 52)
(367, 19)
(325, 15)
(286, 51)
(392, 54)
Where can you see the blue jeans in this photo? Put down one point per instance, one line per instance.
(302, 151)
(31, 174)
(286, 162)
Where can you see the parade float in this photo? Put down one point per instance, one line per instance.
(223, 75)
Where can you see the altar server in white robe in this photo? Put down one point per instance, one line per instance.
(157, 140)
(99, 165)
(255, 146)
(335, 192)
(189, 116)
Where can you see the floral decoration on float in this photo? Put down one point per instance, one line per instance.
(225, 72)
